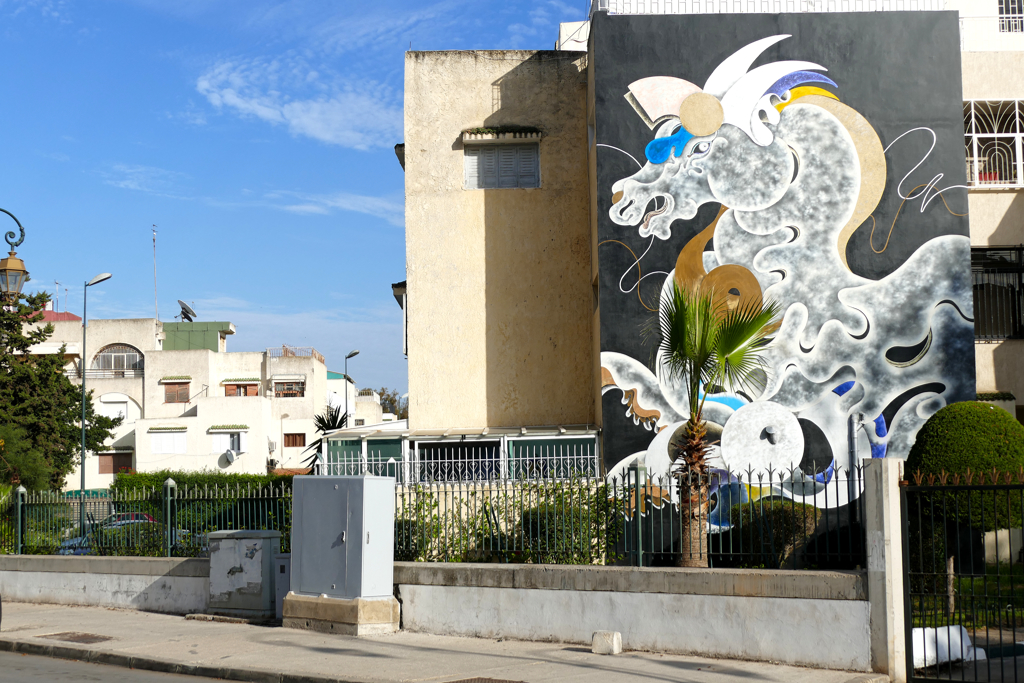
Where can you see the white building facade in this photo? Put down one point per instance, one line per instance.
(193, 408)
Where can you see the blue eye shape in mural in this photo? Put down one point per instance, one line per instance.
(797, 173)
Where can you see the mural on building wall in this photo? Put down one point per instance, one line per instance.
(769, 173)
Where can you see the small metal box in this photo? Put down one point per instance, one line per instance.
(343, 536)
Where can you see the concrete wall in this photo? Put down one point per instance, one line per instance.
(498, 280)
(811, 618)
(152, 584)
(1000, 368)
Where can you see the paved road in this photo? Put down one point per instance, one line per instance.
(15, 668)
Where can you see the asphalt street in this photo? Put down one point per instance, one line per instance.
(15, 668)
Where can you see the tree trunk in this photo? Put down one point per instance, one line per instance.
(693, 535)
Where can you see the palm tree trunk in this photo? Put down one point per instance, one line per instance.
(693, 535)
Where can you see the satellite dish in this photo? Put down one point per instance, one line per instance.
(229, 455)
(186, 311)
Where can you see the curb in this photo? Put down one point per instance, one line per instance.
(163, 665)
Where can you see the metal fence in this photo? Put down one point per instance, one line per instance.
(436, 462)
(779, 520)
(155, 522)
(561, 512)
(964, 576)
(998, 281)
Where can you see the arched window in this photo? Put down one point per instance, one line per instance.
(118, 360)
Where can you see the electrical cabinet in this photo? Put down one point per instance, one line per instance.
(343, 536)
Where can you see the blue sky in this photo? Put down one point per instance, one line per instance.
(257, 135)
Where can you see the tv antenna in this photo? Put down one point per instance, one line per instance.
(156, 305)
(187, 314)
(58, 296)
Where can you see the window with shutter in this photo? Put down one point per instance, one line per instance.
(176, 392)
(528, 175)
(501, 166)
(471, 166)
(507, 175)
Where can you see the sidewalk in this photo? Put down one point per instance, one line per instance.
(240, 652)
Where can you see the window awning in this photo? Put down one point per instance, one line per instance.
(168, 428)
(174, 379)
(242, 380)
(288, 378)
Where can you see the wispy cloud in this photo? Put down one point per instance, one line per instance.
(147, 179)
(392, 211)
(323, 106)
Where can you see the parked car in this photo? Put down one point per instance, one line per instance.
(83, 544)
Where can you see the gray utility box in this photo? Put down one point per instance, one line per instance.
(343, 536)
(242, 573)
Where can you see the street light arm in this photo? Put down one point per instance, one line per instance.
(11, 234)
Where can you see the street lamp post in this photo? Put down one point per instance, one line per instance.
(81, 363)
(12, 269)
(354, 352)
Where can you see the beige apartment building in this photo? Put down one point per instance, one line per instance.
(502, 298)
(188, 403)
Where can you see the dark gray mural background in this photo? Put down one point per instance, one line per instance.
(900, 71)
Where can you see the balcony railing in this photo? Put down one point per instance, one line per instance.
(998, 278)
(992, 33)
(758, 6)
(285, 351)
(98, 373)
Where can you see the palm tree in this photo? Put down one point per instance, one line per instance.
(706, 340)
(332, 418)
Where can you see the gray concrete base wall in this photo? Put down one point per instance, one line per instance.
(810, 618)
(170, 585)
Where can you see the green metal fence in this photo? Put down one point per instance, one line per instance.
(170, 521)
(477, 512)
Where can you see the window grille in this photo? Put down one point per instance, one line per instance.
(502, 166)
(176, 392)
(998, 278)
(289, 389)
(118, 360)
(992, 143)
(1011, 16)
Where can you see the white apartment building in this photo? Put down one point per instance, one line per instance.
(189, 404)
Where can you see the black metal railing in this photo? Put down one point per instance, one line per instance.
(997, 274)
(964, 576)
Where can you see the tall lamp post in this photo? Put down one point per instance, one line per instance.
(85, 321)
(12, 269)
(354, 352)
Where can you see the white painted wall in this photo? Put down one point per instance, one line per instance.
(174, 586)
(823, 633)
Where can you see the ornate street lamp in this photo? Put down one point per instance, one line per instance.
(12, 269)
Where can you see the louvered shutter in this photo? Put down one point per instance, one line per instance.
(507, 176)
(230, 390)
(489, 167)
(243, 443)
(529, 175)
(471, 165)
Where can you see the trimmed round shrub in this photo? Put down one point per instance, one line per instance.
(977, 435)
(965, 435)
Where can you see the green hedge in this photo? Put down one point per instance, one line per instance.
(969, 434)
(137, 480)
